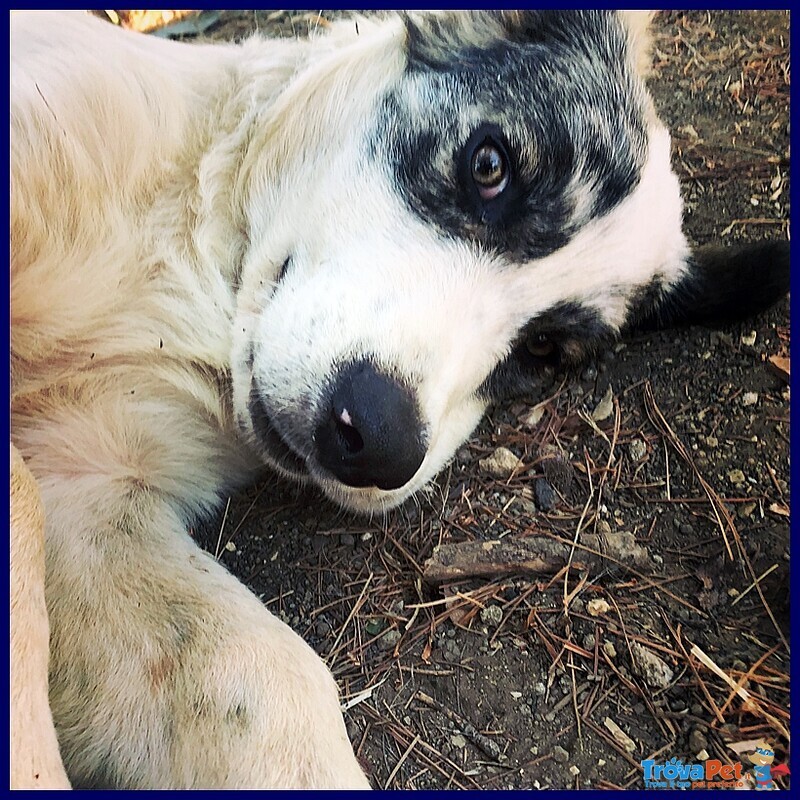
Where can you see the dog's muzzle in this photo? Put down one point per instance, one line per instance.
(370, 432)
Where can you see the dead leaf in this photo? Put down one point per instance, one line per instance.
(780, 509)
(780, 365)
(605, 406)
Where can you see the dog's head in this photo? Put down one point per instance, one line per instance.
(437, 210)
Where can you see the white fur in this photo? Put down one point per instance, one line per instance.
(156, 191)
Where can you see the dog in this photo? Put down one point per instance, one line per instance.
(326, 255)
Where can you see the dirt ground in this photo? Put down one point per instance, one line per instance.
(569, 678)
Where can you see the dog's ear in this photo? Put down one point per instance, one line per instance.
(570, 27)
(719, 285)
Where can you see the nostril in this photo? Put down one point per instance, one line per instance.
(350, 438)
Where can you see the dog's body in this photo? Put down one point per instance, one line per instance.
(329, 256)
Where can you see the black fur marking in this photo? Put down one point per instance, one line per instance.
(722, 285)
(576, 331)
(563, 97)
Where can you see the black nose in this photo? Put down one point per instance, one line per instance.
(370, 433)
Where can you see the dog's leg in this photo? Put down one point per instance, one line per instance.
(35, 760)
(165, 671)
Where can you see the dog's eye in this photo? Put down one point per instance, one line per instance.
(489, 169)
(539, 345)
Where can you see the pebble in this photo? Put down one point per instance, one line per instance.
(609, 649)
(590, 373)
(589, 641)
(347, 539)
(749, 339)
(463, 456)
(697, 741)
(712, 442)
(390, 639)
(747, 510)
(560, 755)
(545, 494)
(500, 464)
(492, 615)
(637, 450)
(749, 398)
(597, 607)
(650, 667)
(736, 476)
(457, 740)
(574, 771)
(686, 529)
(539, 688)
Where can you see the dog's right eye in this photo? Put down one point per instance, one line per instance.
(489, 169)
(486, 171)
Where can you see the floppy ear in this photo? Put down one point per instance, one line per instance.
(720, 285)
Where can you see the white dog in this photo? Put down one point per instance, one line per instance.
(329, 255)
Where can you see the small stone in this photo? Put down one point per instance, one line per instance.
(347, 539)
(697, 710)
(601, 762)
(560, 755)
(650, 667)
(747, 510)
(686, 529)
(492, 615)
(736, 476)
(749, 339)
(534, 750)
(546, 496)
(574, 771)
(539, 688)
(637, 450)
(703, 755)
(589, 641)
(597, 607)
(712, 442)
(457, 740)
(230, 547)
(697, 741)
(590, 373)
(390, 639)
(516, 695)
(500, 464)
(749, 398)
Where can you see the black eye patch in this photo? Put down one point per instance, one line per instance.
(565, 335)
